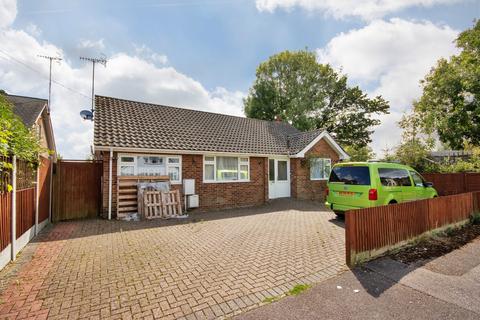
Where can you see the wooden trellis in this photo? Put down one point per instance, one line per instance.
(157, 204)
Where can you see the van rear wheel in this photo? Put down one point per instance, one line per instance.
(340, 214)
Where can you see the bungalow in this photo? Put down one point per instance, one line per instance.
(233, 161)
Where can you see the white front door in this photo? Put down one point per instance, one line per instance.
(278, 178)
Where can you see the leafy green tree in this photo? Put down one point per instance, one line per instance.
(309, 95)
(360, 153)
(416, 145)
(388, 155)
(450, 104)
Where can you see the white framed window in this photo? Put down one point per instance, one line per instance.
(150, 165)
(126, 165)
(320, 168)
(226, 169)
(174, 168)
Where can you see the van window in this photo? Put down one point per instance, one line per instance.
(351, 175)
(417, 179)
(390, 177)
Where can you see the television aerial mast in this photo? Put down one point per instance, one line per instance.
(88, 114)
(50, 58)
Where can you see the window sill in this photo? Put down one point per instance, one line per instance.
(231, 181)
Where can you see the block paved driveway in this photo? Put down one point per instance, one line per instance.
(210, 266)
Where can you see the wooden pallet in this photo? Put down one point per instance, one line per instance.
(165, 205)
(127, 193)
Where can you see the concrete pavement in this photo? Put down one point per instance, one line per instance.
(445, 288)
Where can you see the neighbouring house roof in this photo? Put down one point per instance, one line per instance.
(450, 156)
(131, 124)
(27, 108)
(451, 153)
(30, 110)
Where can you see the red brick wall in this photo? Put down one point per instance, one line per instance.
(227, 195)
(212, 196)
(302, 186)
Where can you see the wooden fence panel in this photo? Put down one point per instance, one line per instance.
(25, 210)
(372, 231)
(44, 176)
(454, 183)
(77, 190)
(447, 183)
(5, 219)
(476, 202)
(449, 209)
(472, 182)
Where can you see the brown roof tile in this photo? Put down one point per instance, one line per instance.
(125, 123)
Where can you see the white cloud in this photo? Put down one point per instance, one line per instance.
(366, 9)
(92, 44)
(148, 54)
(125, 76)
(8, 12)
(33, 29)
(391, 57)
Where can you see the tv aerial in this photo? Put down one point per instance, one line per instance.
(88, 114)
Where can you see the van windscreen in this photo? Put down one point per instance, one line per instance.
(351, 175)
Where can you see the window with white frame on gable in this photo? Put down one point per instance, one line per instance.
(320, 168)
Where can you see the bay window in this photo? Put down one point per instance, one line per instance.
(226, 168)
(150, 165)
(320, 168)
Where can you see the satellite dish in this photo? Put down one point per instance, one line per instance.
(86, 115)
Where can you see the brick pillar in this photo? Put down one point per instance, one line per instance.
(105, 181)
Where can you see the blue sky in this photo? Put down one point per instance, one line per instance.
(203, 53)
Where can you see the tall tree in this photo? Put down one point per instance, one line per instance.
(309, 95)
(450, 104)
(416, 145)
(360, 153)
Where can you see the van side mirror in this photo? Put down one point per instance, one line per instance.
(428, 184)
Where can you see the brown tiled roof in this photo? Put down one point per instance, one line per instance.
(27, 108)
(132, 124)
(298, 141)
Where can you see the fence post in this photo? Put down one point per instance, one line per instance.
(350, 238)
(50, 187)
(37, 195)
(14, 207)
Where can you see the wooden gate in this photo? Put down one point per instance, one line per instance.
(44, 176)
(77, 191)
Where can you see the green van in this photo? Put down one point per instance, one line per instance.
(355, 185)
